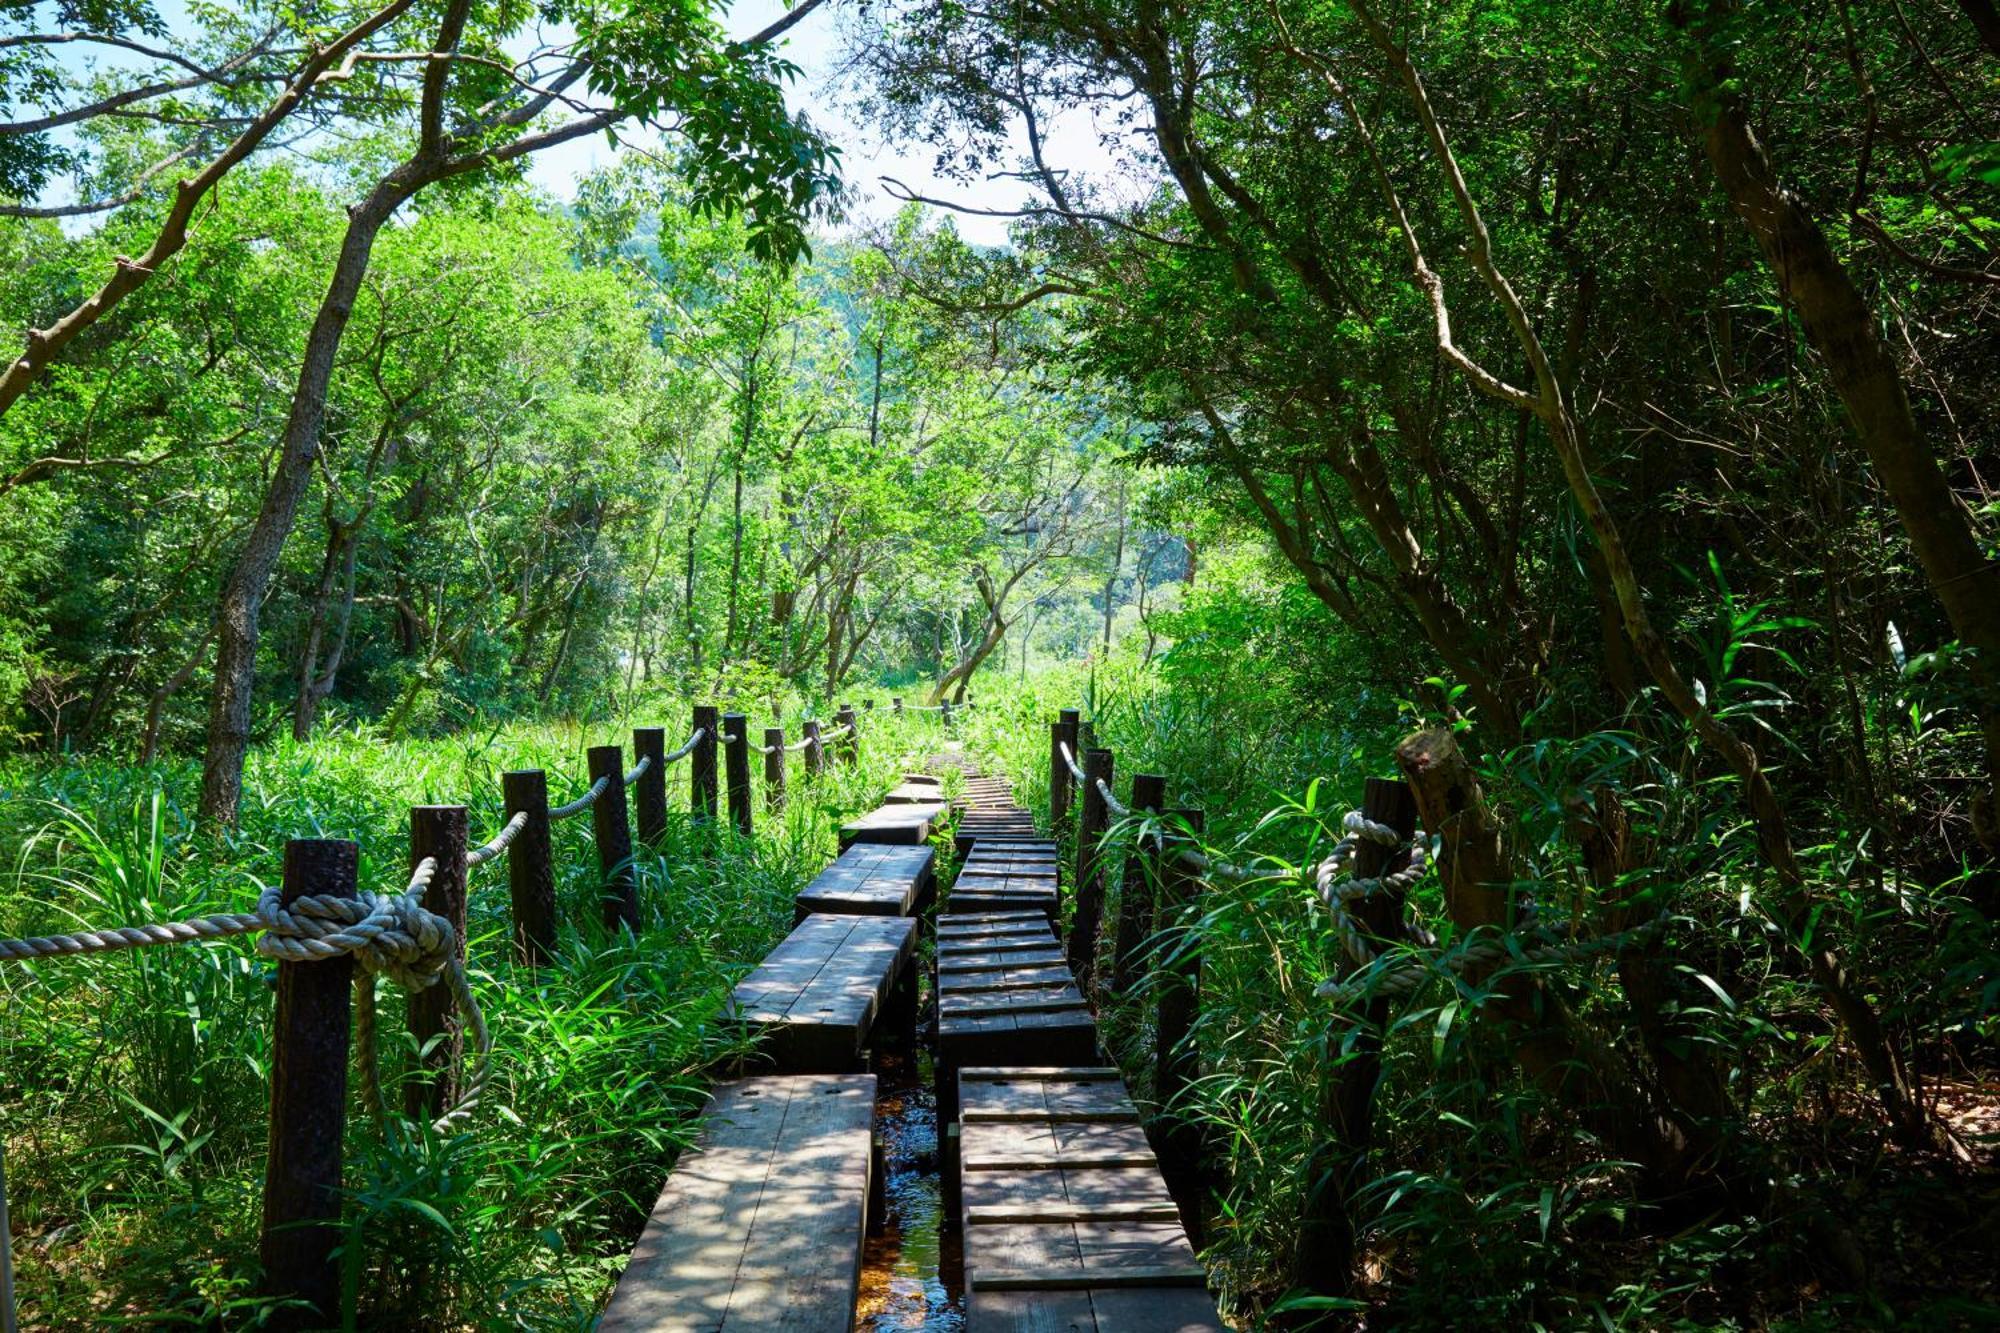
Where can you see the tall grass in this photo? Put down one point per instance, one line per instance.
(133, 1087)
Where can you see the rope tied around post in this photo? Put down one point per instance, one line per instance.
(388, 934)
(1339, 865)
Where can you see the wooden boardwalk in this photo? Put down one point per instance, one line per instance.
(1067, 1221)
(817, 996)
(761, 1225)
(1068, 1226)
(1005, 996)
(872, 879)
(897, 825)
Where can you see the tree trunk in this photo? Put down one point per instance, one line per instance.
(243, 594)
(1476, 867)
(1842, 330)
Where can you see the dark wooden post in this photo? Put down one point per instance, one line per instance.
(1175, 1062)
(701, 764)
(815, 751)
(308, 1103)
(1135, 894)
(440, 832)
(531, 879)
(736, 756)
(1090, 825)
(896, 705)
(850, 744)
(649, 793)
(1062, 787)
(774, 769)
(1329, 1241)
(609, 825)
(946, 715)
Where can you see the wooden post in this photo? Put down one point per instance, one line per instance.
(1329, 1240)
(1093, 819)
(531, 880)
(609, 826)
(815, 751)
(1176, 1064)
(946, 715)
(850, 744)
(440, 832)
(774, 769)
(1062, 786)
(896, 705)
(649, 793)
(736, 756)
(1135, 894)
(701, 764)
(308, 1103)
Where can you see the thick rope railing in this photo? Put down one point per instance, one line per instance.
(799, 744)
(502, 840)
(686, 749)
(638, 770)
(389, 935)
(1069, 761)
(581, 803)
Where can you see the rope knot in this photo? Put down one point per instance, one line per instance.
(388, 934)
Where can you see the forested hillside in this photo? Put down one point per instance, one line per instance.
(1586, 412)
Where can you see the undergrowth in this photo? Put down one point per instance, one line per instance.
(133, 1086)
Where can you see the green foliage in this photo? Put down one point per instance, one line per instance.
(134, 1087)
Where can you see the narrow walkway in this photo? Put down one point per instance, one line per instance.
(1012, 1182)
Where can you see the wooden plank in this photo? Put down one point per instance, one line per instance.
(913, 793)
(1000, 1115)
(818, 994)
(1066, 1215)
(1086, 1279)
(760, 1228)
(1054, 1213)
(1015, 1007)
(871, 879)
(1005, 944)
(899, 825)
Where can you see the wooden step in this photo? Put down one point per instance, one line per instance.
(1005, 996)
(872, 879)
(761, 1226)
(1067, 1221)
(818, 995)
(898, 825)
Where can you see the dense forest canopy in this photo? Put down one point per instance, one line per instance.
(1611, 386)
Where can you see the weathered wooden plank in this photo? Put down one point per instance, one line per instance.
(899, 825)
(1066, 1215)
(818, 994)
(760, 1228)
(872, 879)
(1085, 1279)
(1052, 1213)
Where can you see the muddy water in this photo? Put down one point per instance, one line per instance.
(903, 1273)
